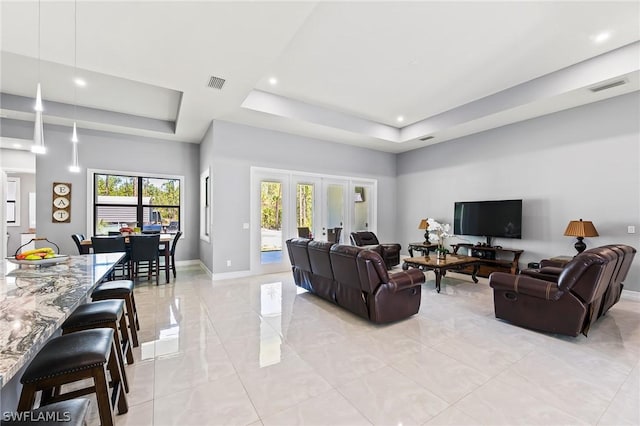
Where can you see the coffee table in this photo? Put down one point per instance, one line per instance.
(441, 266)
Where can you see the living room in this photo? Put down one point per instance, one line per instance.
(565, 161)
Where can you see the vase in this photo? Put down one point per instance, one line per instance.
(441, 255)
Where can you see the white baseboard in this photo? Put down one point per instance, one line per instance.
(216, 276)
(630, 295)
(231, 275)
(192, 262)
(203, 266)
(188, 262)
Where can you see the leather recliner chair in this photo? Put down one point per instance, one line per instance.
(390, 252)
(567, 303)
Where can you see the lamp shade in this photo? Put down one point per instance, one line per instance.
(580, 228)
(423, 224)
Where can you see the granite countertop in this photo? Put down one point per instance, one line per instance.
(35, 301)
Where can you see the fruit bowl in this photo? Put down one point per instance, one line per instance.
(58, 258)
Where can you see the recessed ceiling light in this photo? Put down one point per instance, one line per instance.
(79, 82)
(273, 81)
(17, 145)
(400, 119)
(601, 37)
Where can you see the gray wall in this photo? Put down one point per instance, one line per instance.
(110, 151)
(27, 185)
(236, 148)
(579, 163)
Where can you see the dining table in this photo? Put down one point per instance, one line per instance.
(35, 299)
(164, 247)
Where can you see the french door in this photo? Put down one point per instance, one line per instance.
(288, 204)
(320, 207)
(364, 213)
(271, 217)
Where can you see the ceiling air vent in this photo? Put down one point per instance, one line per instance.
(608, 85)
(216, 82)
(426, 138)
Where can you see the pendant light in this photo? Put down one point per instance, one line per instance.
(75, 167)
(38, 127)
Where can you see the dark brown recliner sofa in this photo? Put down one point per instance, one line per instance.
(569, 304)
(355, 279)
(550, 271)
(389, 252)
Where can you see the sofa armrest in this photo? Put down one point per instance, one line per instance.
(523, 284)
(553, 263)
(547, 273)
(551, 270)
(406, 279)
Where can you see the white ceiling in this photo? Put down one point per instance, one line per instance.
(345, 70)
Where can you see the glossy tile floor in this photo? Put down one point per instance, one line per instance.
(260, 351)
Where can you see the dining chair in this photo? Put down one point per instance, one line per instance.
(102, 244)
(304, 232)
(145, 255)
(333, 235)
(78, 238)
(172, 252)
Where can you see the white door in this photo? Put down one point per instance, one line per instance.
(335, 210)
(321, 207)
(307, 198)
(287, 204)
(364, 202)
(271, 222)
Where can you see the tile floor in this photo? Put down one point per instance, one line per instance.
(260, 351)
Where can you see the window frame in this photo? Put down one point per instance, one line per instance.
(205, 205)
(92, 205)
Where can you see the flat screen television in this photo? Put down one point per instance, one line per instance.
(501, 219)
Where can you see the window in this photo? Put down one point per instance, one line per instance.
(13, 201)
(146, 202)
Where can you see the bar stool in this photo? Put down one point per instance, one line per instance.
(104, 314)
(121, 289)
(86, 354)
(64, 413)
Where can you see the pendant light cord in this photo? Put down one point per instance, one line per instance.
(75, 58)
(39, 41)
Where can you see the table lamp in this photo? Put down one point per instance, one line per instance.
(425, 225)
(580, 229)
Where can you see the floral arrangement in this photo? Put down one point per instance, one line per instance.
(439, 232)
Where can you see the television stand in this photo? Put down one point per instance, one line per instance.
(492, 259)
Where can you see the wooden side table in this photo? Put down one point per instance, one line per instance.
(421, 247)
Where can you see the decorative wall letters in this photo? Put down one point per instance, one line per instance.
(61, 208)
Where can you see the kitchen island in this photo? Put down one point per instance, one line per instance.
(35, 301)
